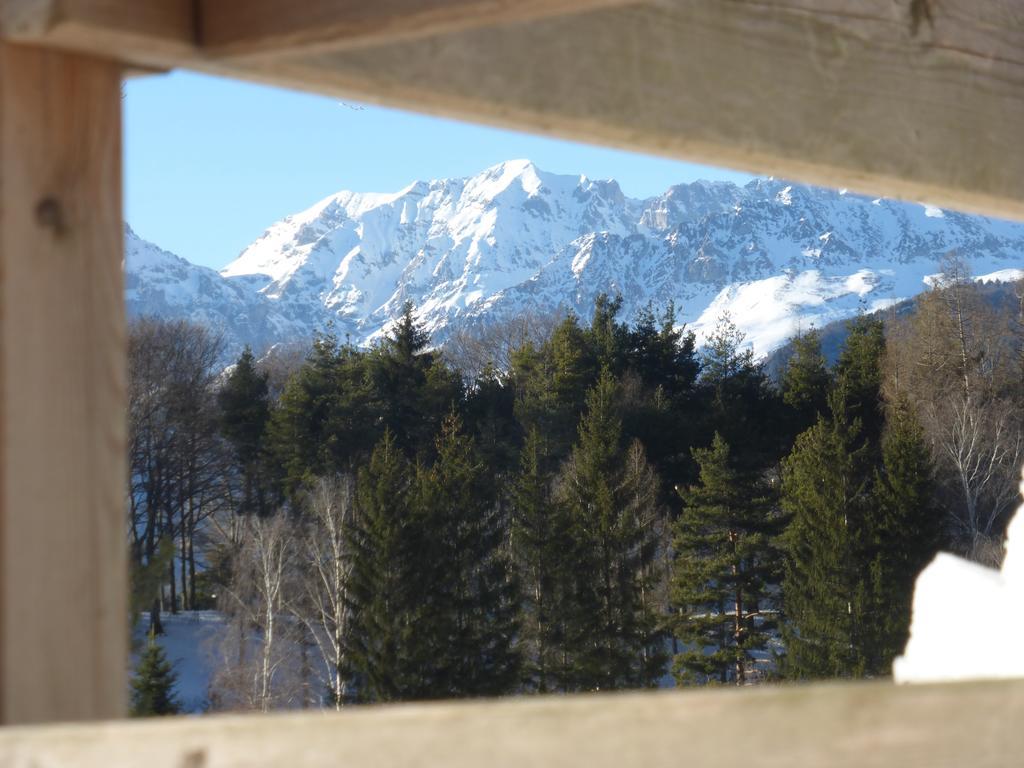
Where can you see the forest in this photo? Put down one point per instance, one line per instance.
(552, 505)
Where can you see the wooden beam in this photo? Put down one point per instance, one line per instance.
(862, 725)
(63, 596)
(871, 96)
(247, 27)
(151, 34)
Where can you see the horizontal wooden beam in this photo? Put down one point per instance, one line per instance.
(873, 96)
(248, 27)
(146, 33)
(863, 725)
(922, 100)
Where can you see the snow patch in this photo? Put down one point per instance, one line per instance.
(966, 620)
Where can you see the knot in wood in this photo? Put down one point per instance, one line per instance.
(50, 215)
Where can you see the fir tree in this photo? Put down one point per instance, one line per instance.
(469, 609)
(245, 411)
(539, 543)
(908, 529)
(153, 684)
(383, 586)
(826, 588)
(413, 386)
(725, 562)
(611, 499)
(859, 377)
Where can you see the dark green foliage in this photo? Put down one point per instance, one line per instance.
(826, 591)
(739, 403)
(909, 527)
(153, 684)
(470, 596)
(324, 421)
(244, 413)
(551, 383)
(433, 598)
(530, 550)
(660, 403)
(806, 382)
(412, 386)
(337, 407)
(383, 586)
(859, 376)
(726, 561)
(610, 495)
(540, 539)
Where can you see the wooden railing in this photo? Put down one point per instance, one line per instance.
(968, 725)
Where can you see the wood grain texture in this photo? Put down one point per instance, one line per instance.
(149, 34)
(919, 99)
(859, 95)
(247, 27)
(63, 575)
(861, 725)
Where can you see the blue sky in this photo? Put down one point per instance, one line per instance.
(211, 163)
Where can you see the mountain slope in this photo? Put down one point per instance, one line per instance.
(514, 238)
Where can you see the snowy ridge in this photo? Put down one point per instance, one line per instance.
(777, 256)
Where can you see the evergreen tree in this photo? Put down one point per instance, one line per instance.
(413, 386)
(551, 383)
(859, 377)
(153, 684)
(826, 588)
(608, 338)
(383, 585)
(740, 404)
(470, 603)
(611, 498)
(908, 528)
(660, 406)
(539, 542)
(725, 563)
(244, 413)
(806, 381)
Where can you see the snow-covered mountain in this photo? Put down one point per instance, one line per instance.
(514, 239)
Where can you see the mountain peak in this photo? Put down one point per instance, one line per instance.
(515, 239)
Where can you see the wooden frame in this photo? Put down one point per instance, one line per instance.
(859, 725)
(918, 99)
(63, 576)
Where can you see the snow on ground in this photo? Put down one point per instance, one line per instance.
(189, 640)
(1002, 276)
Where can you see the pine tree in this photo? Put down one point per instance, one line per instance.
(806, 381)
(826, 587)
(153, 684)
(611, 499)
(740, 404)
(726, 560)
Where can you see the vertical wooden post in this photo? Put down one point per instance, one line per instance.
(63, 604)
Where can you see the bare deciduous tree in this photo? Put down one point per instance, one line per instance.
(323, 609)
(256, 672)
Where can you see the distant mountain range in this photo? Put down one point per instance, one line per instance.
(515, 239)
